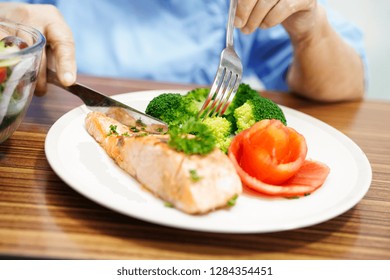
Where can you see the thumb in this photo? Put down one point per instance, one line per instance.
(61, 52)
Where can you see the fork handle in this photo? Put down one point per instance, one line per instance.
(230, 26)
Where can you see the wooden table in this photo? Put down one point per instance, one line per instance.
(41, 217)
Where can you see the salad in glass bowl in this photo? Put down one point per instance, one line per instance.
(20, 57)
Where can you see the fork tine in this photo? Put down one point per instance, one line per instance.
(208, 104)
(224, 94)
(220, 96)
(229, 95)
(212, 92)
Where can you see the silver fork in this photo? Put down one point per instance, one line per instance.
(228, 75)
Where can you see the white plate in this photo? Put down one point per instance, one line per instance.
(83, 165)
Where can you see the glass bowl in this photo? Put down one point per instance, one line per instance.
(20, 57)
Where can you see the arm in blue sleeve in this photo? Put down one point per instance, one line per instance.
(270, 53)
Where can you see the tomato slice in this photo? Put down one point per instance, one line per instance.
(270, 158)
(3, 74)
(272, 152)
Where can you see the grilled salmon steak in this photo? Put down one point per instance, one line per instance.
(194, 184)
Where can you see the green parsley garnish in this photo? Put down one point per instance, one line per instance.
(232, 201)
(194, 175)
(139, 122)
(142, 134)
(134, 129)
(191, 137)
(168, 204)
(293, 197)
(112, 130)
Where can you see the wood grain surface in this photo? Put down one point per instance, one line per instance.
(42, 218)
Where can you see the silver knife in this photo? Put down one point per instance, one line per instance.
(96, 101)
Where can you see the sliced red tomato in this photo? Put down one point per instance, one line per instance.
(270, 158)
(3, 74)
(272, 152)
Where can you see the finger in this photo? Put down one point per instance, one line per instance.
(259, 13)
(282, 11)
(244, 9)
(61, 42)
(41, 85)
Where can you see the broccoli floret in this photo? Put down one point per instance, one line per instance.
(221, 129)
(195, 99)
(244, 93)
(171, 108)
(198, 94)
(174, 108)
(255, 110)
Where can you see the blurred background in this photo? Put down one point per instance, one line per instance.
(373, 18)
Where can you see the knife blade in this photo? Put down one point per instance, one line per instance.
(96, 101)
